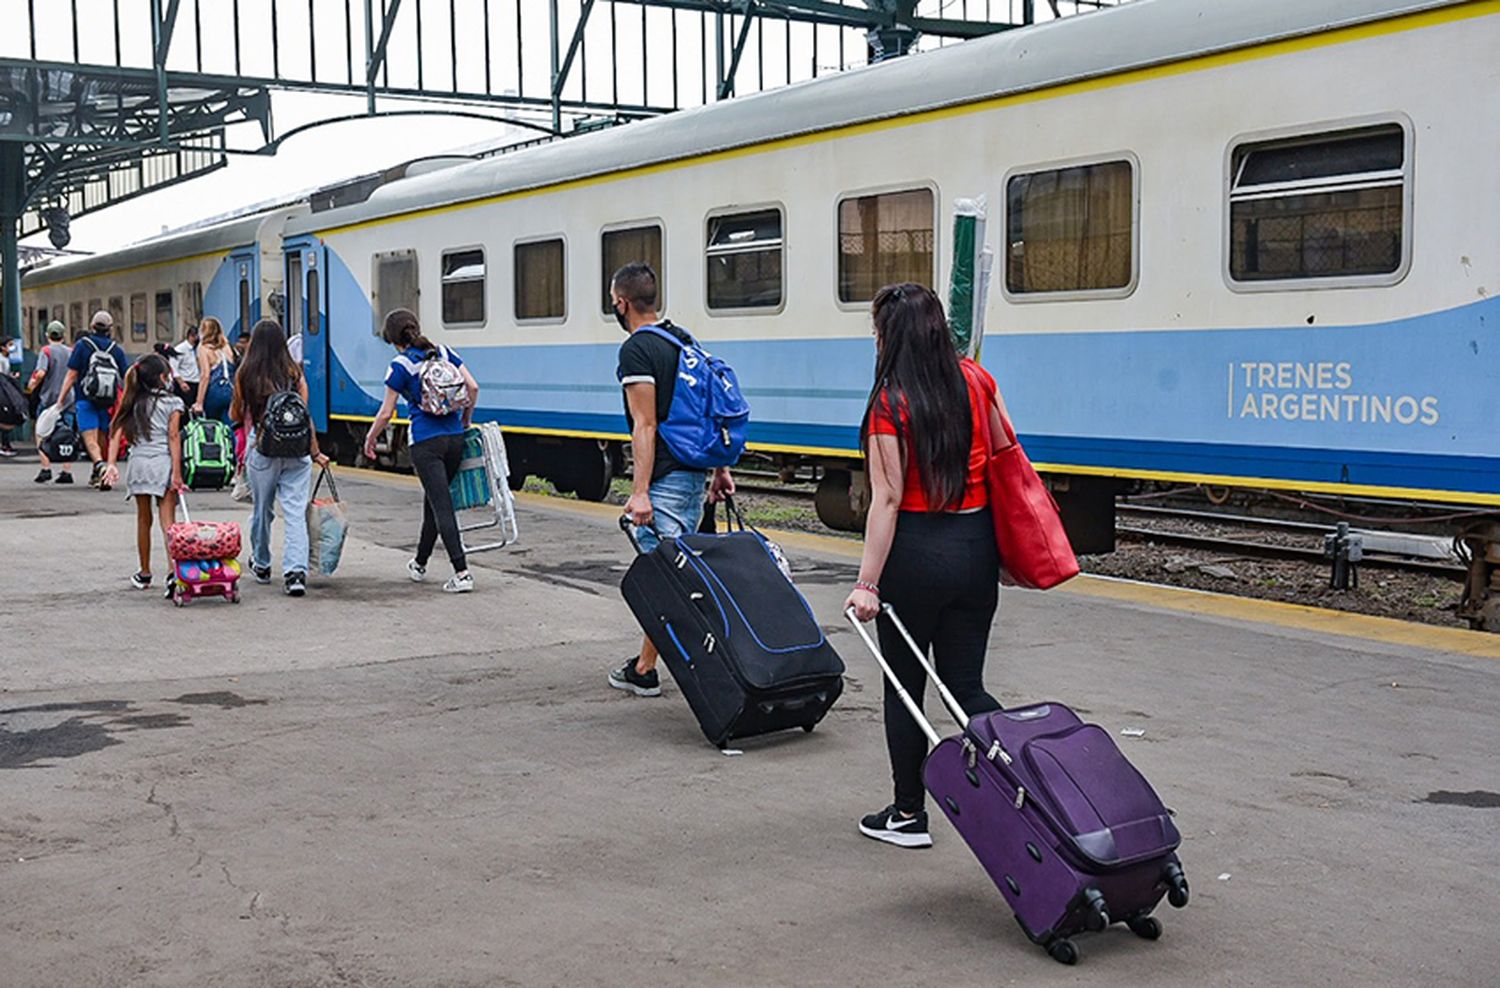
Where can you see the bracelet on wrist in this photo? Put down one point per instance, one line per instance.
(867, 586)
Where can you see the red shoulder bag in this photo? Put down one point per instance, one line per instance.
(1034, 548)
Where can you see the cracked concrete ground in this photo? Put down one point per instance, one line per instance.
(382, 785)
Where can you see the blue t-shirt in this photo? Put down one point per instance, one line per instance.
(403, 379)
(79, 361)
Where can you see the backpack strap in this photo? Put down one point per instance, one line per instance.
(668, 331)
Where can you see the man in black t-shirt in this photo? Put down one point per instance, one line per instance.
(666, 499)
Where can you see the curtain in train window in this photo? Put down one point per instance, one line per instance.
(463, 288)
(117, 313)
(1070, 229)
(541, 280)
(621, 247)
(164, 325)
(885, 239)
(744, 253)
(94, 305)
(395, 284)
(189, 305)
(138, 317)
(79, 319)
(1322, 207)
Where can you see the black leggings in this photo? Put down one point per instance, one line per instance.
(942, 578)
(436, 462)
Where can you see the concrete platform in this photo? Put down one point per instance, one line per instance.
(383, 785)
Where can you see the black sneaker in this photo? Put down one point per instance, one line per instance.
(296, 584)
(262, 574)
(96, 473)
(893, 828)
(141, 581)
(641, 684)
(43, 475)
(66, 477)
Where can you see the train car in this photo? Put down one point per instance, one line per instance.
(1237, 244)
(156, 289)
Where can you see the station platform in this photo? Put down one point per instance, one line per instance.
(384, 785)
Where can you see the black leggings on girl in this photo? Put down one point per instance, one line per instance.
(436, 463)
(942, 578)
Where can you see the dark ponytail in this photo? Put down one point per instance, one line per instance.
(917, 370)
(402, 330)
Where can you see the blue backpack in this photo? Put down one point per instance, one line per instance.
(707, 423)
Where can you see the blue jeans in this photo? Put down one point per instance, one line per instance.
(284, 479)
(677, 503)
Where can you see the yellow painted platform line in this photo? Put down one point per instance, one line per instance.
(1300, 617)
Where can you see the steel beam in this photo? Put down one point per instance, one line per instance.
(726, 87)
(377, 54)
(12, 202)
(560, 76)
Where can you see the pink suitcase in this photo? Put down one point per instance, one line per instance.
(203, 559)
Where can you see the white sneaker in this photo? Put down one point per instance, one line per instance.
(459, 584)
(417, 573)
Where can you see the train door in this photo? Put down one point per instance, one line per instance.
(307, 314)
(246, 268)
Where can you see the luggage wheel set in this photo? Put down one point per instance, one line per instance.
(1071, 833)
(739, 639)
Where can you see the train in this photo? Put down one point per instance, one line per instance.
(1242, 245)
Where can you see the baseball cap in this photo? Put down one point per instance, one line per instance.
(102, 320)
(56, 330)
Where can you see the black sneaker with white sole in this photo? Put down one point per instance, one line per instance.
(296, 584)
(640, 683)
(262, 574)
(891, 826)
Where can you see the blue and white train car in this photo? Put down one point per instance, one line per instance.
(1237, 244)
(158, 288)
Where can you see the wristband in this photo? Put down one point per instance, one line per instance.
(867, 586)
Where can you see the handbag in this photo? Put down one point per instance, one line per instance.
(327, 526)
(1034, 548)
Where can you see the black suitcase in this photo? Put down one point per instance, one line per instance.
(739, 639)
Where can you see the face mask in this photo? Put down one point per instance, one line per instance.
(620, 317)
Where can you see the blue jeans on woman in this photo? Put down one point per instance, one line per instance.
(285, 479)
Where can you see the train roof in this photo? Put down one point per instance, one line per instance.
(1135, 35)
(175, 246)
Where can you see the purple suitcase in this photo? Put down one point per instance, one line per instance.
(1073, 836)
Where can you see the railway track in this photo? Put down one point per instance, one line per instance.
(1231, 544)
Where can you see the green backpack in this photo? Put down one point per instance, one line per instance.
(207, 454)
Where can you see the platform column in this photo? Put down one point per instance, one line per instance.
(12, 201)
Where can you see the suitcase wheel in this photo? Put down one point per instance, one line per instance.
(1145, 927)
(1177, 886)
(1063, 951)
(1096, 915)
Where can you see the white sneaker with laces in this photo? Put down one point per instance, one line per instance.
(459, 583)
(417, 573)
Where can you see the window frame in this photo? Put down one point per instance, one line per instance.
(377, 303)
(515, 270)
(887, 189)
(156, 324)
(147, 313)
(641, 223)
(484, 286)
(745, 210)
(1074, 294)
(1309, 133)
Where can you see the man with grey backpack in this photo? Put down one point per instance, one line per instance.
(441, 394)
(96, 375)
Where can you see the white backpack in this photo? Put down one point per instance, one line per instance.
(101, 380)
(443, 389)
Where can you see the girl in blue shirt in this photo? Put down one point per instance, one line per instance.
(437, 442)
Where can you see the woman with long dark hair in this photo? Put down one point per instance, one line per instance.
(929, 547)
(276, 473)
(437, 434)
(150, 417)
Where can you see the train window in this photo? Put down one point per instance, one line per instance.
(138, 318)
(190, 303)
(1329, 205)
(314, 314)
(394, 285)
(94, 305)
(244, 305)
(294, 293)
(77, 317)
(117, 312)
(637, 243)
(744, 254)
(541, 280)
(164, 325)
(884, 239)
(463, 287)
(1071, 229)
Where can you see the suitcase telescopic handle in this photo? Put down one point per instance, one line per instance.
(890, 675)
(628, 527)
(182, 503)
(949, 700)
